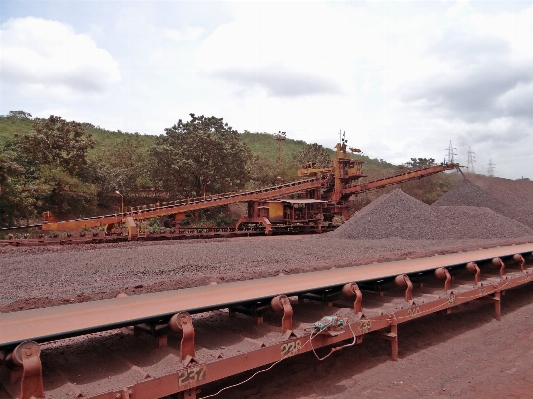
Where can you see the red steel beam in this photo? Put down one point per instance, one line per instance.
(82, 318)
(188, 205)
(194, 375)
(401, 178)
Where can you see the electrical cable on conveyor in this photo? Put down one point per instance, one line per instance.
(318, 327)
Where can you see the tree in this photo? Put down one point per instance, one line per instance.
(56, 142)
(314, 153)
(54, 157)
(199, 157)
(15, 202)
(420, 163)
(8, 168)
(20, 115)
(123, 166)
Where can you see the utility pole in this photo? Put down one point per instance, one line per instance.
(122, 197)
(491, 168)
(280, 137)
(470, 160)
(451, 153)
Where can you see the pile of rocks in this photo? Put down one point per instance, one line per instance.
(517, 195)
(511, 198)
(467, 193)
(400, 215)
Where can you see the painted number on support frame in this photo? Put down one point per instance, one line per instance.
(192, 375)
(290, 348)
(413, 311)
(365, 326)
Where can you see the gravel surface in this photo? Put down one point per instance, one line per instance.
(47, 276)
(394, 226)
(399, 215)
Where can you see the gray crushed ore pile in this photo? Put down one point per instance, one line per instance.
(513, 199)
(400, 215)
(517, 195)
(467, 193)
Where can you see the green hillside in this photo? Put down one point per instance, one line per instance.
(9, 126)
(261, 145)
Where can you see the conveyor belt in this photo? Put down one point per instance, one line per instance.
(68, 320)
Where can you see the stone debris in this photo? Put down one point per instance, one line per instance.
(511, 198)
(400, 215)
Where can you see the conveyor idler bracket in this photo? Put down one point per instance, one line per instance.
(26, 356)
(281, 302)
(183, 322)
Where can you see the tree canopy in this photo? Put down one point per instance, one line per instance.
(58, 143)
(314, 153)
(198, 157)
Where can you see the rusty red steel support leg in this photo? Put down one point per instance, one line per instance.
(391, 336)
(394, 340)
(27, 355)
(496, 299)
(281, 302)
(403, 280)
(352, 289)
(442, 272)
(499, 262)
(520, 260)
(473, 267)
(497, 305)
(183, 322)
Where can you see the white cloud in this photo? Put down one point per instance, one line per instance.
(291, 36)
(185, 34)
(48, 59)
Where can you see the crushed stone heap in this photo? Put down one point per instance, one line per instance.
(513, 204)
(467, 193)
(392, 215)
(400, 215)
(517, 195)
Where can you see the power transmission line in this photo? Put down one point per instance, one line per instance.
(470, 160)
(451, 153)
(491, 168)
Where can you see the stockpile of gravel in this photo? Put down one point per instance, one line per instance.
(392, 215)
(475, 222)
(467, 193)
(511, 198)
(517, 195)
(400, 215)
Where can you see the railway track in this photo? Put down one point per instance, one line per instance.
(171, 234)
(174, 342)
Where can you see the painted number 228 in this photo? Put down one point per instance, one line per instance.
(290, 348)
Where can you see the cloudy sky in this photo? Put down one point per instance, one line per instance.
(402, 78)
